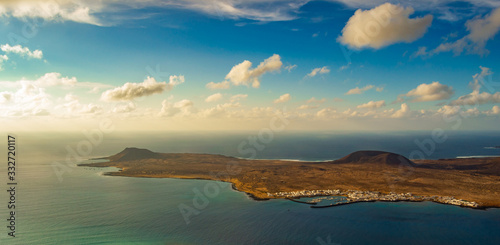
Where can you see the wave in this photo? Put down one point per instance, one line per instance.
(483, 156)
(287, 160)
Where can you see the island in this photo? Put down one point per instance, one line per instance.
(362, 176)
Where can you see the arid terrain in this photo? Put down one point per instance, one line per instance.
(474, 180)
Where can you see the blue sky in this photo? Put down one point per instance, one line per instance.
(92, 49)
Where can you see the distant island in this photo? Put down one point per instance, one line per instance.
(362, 176)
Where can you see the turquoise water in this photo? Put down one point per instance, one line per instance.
(89, 208)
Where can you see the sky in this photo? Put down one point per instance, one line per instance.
(151, 65)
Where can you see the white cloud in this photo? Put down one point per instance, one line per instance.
(50, 10)
(130, 91)
(29, 100)
(214, 97)
(326, 113)
(312, 103)
(221, 85)
(283, 98)
(421, 51)
(5, 96)
(22, 51)
(217, 111)
(358, 90)
(87, 11)
(344, 67)
(419, 5)
(403, 112)
(113, 11)
(179, 108)
(241, 74)
(73, 107)
(2, 59)
(382, 26)
(289, 68)
(476, 97)
(314, 100)
(372, 104)
(481, 30)
(238, 97)
(430, 92)
(55, 79)
(91, 109)
(319, 70)
(449, 110)
(129, 107)
(495, 110)
(277, 10)
(307, 107)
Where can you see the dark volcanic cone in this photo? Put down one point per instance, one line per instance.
(132, 153)
(377, 157)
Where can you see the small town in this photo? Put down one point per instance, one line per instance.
(353, 196)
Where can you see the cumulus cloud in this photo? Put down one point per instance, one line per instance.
(129, 107)
(91, 109)
(326, 113)
(283, 98)
(481, 30)
(22, 51)
(150, 86)
(319, 70)
(72, 107)
(179, 108)
(495, 110)
(430, 92)
(382, 26)
(477, 97)
(238, 97)
(449, 110)
(214, 97)
(29, 100)
(55, 79)
(221, 85)
(419, 5)
(241, 74)
(372, 104)
(403, 112)
(358, 90)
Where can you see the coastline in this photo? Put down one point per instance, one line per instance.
(364, 176)
(337, 193)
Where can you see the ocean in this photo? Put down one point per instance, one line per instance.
(79, 205)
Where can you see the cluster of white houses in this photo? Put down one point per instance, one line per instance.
(352, 196)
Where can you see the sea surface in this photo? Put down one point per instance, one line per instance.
(83, 206)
